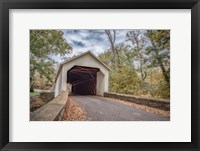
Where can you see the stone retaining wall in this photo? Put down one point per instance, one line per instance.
(156, 103)
(51, 111)
(46, 96)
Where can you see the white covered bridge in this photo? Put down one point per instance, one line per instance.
(85, 73)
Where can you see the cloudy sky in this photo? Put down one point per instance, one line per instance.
(93, 40)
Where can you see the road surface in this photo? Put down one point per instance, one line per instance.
(103, 109)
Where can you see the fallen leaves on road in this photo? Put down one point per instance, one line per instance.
(143, 107)
(73, 112)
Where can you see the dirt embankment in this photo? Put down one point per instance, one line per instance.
(36, 103)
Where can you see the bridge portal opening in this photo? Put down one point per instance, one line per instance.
(83, 80)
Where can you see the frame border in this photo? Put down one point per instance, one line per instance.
(5, 5)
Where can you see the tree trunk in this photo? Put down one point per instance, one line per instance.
(112, 41)
(159, 60)
(162, 66)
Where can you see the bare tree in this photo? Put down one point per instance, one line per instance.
(111, 34)
(138, 41)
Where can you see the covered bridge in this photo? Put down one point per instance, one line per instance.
(85, 73)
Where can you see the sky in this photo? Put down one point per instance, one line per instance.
(95, 41)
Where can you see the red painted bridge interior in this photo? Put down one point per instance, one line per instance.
(83, 80)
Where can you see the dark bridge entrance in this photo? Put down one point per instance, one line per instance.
(83, 80)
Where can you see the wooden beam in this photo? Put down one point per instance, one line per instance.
(81, 82)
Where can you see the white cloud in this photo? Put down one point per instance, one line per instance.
(93, 40)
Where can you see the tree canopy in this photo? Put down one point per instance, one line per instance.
(143, 64)
(44, 46)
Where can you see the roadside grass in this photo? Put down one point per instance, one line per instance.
(34, 93)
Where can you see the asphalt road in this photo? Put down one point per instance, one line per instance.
(102, 109)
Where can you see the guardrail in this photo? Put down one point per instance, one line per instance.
(51, 111)
(151, 102)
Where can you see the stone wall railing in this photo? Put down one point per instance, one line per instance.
(151, 102)
(51, 111)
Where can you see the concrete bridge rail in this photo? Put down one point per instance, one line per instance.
(52, 111)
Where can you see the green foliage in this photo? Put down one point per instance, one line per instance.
(34, 94)
(161, 38)
(160, 90)
(144, 67)
(106, 57)
(159, 51)
(44, 44)
(163, 89)
(125, 80)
